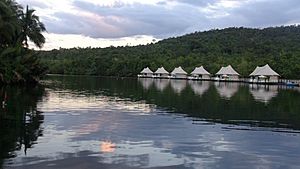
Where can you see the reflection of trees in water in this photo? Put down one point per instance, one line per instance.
(283, 109)
(19, 120)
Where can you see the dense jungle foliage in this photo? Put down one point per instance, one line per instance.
(243, 48)
(18, 64)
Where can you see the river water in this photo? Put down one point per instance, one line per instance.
(93, 122)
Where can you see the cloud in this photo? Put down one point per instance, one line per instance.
(56, 41)
(34, 3)
(268, 13)
(160, 18)
(201, 3)
(121, 20)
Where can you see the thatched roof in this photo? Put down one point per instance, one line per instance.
(200, 71)
(146, 70)
(228, 70)
(264, 71)
(161, 70)
(178, 70)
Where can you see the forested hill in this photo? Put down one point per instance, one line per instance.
(243, 48)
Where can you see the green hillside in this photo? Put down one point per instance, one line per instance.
(243, 48)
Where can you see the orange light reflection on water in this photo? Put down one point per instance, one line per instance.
(107, 147)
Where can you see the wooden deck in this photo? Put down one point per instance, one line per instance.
(240, 80)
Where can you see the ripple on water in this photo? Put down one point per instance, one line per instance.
(118, 125)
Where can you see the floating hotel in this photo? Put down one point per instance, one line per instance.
(199, 73)
(161, 73)
(146, 72)
(264, 74)
(227, 73)
(178, 73)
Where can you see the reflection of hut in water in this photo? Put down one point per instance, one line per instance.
(263, 93)
(161, 84)
(178, 85)
(226, 90)
(199, 87)
(298, 89)
(146, 82)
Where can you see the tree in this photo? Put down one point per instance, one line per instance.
(9, 23)
(32, 29)
(243, 48)
(18, 63)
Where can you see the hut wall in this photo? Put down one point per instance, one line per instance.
(148, 74)
(273, 79)
(163, 75)
(181, 76)
(233, 77)
(205, 77)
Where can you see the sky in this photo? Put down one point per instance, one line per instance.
(103, 23)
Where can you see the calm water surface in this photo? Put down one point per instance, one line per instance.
(93, 122)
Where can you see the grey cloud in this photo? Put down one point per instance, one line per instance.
(161, 21)
(266, 13)
(128, 20)
(76, 24)
(201, 3)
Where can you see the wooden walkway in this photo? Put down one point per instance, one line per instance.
(240, 80)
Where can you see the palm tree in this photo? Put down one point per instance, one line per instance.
(9, 24)
(17, 63)
(32, 29)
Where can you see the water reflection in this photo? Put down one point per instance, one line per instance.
(107, 147)
(298, 89)
(263, 93)
(178, 85)
(199, 87)
(215, 108)
(20, 121)
(161, 84)
(146, 82)
(226, 90)
(113, 123)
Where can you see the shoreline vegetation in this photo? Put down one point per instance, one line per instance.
(243, 48)
(18, 26)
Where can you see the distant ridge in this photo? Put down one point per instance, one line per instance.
(243, 48)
